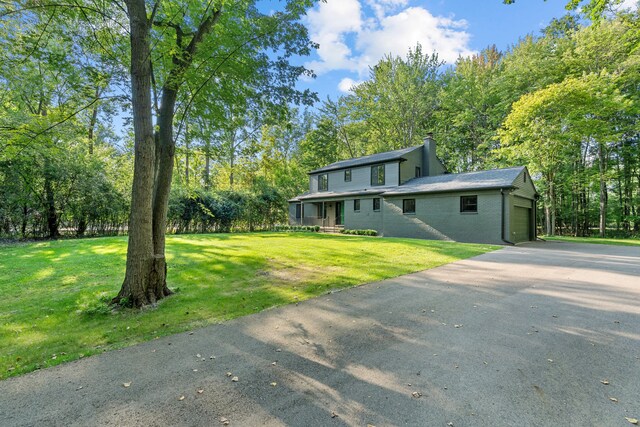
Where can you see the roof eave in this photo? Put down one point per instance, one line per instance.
(461, 190)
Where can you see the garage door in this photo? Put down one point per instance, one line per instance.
(521, 222)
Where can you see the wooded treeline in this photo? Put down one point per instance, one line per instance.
(564, 103)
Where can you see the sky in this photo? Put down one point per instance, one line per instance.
(355, 34)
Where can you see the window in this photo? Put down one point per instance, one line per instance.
(356, 205)
(323, 182)
(298, 211)
(377, 175)
(347, 175)
(418, 172)
(409, 206)
(468, 203)
(376, 204)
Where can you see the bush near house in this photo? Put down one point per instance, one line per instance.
(360, 232)
(311, 228)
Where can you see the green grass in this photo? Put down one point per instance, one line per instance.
(597, 240)
(53, 308)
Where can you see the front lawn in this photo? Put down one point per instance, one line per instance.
(51, 308)
(597, 240)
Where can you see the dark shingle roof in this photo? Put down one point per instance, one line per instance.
(367, 160)
(481, 180)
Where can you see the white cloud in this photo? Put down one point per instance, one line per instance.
(355, 34)
(346, 84)
(328, 26)
(397, 33)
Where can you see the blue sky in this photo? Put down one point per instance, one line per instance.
(355, 34)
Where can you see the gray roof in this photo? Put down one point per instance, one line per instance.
(334, 194)
(481, 180)
(367, 160)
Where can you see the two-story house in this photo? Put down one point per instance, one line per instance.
(407, 193)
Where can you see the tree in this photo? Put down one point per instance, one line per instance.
(549, 127)
(191, 26)
(398, 101)
(469, 111)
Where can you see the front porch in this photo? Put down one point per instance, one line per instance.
(328, 215)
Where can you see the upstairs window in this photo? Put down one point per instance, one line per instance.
(409, 206)
(356, 205)
(376, 204)
(418, 172)
(469, 204)
(347, 175)
(377, 175)
(323, 182)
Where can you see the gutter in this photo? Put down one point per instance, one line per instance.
(502, 218)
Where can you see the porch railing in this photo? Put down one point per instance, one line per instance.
(315, 220)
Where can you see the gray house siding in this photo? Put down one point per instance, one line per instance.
(438, 217)
(408, 167)
(360, 178)
(366, 218)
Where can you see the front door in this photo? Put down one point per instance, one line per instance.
(339, 212)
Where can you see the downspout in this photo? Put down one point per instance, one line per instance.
(502, 218)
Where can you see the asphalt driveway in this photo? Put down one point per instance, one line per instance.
(544, 334)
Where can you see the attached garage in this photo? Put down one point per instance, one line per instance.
(521, 231)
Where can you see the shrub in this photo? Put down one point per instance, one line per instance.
(360, 232)
(309, 228)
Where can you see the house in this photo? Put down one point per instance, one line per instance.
(408, 193)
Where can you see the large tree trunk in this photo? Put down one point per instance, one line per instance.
(165, 153)
(145, 278)
(142, 266)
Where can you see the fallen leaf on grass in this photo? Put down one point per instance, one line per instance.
(458, 326)
(274, 384)
(450, 424)
(613, 399)
(605, 382)
(333, 415)
(224, 421)
(234, 379)
(416, 394)
(126, 384)
(631, 420)
(229, 374)
(198, 356)
(200, 391)
(181, 398)
(550, 360)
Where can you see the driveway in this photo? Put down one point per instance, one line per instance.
(524, 336)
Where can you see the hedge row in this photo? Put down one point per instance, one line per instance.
(311, 228)
(360, 232)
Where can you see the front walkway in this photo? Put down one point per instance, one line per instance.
(527, 335)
